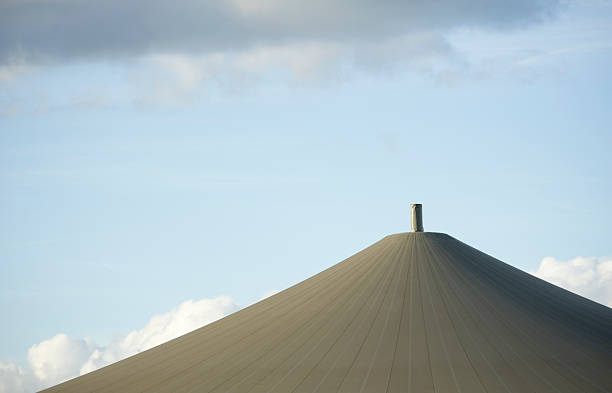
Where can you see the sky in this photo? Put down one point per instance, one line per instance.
(165, 164)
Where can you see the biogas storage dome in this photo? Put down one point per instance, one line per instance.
(414, 312)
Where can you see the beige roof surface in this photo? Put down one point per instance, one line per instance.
(415, 312)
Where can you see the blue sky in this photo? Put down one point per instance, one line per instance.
(132, 183)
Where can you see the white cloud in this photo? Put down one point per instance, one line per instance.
(188, 316)
(14, 379)
(58, 358)
(590, 277)
(61, 357)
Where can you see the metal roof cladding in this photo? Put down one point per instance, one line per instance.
(414, 312)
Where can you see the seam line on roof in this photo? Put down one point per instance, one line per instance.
(362, 277)
(520, 334)
(583, 314)
(437, 323)
(410, 311)
(440, 269)
(479, 320)
(384, 329)
(377, 279)
(504, 322)
(366, 336)
(399, 329)
(440, 288)
(315, 346)
(335, 361)
(433, 381)
(469, 305)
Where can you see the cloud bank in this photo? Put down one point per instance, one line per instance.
(173, 49)
(590, 277)
(61, 357)
(48, 31)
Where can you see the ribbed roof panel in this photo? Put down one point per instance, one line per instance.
(415, 312)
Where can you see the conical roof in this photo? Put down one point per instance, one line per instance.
(414, 312)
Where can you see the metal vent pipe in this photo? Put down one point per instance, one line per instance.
(416, 213)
